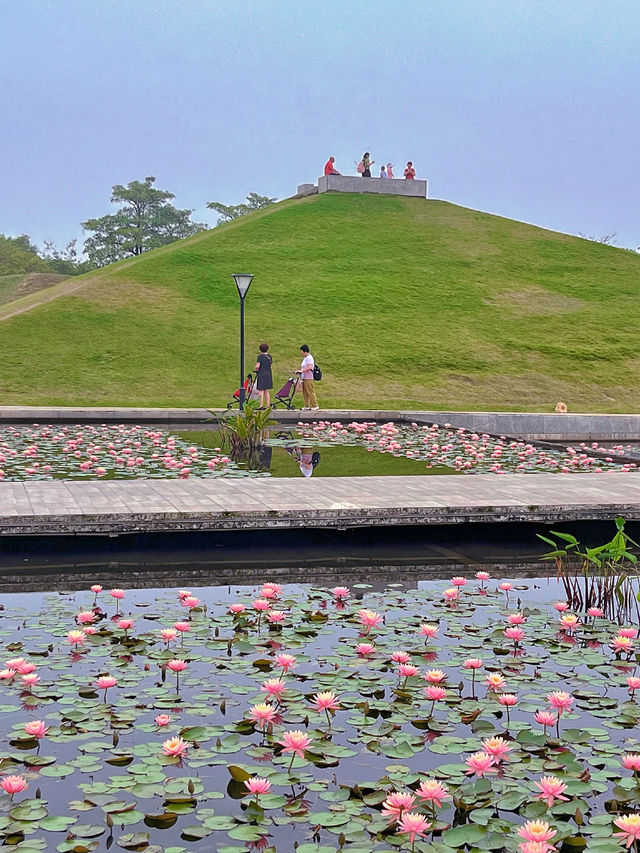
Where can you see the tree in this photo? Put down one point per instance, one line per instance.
(229, 212)
(65, 261)
(606, 239)
(19, 255)
(145, 221)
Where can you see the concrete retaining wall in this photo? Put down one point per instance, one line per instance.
(381, 186)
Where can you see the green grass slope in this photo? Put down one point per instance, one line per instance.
(405, 303)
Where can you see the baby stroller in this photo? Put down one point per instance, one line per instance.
(284, 396)
(248, 389)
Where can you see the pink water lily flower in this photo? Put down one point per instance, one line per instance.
(536, 847)
(435, 693)
(326, 701)
(276, 616)
(514, 633)
(262, 713)
(428, 630)
(30, 679)
(516, 619)
(237, 608)
(396, 803)
(432, 791)
(508, 699)
(561, 606)
(631, 760)
(434, 676)
(630, 829)
(595, 612)
(177, 664)
(26, 667)
(622, 644)
(96, 588)
(190, 601)
(569, 621)
(261, 604)
(76, 638)
(183, 627)
(295, 742)
(546, 718)
(472, 663)
(162, 720)
(536, 830)
(13, 784)
(15, 663)
(369, 618)
(458, 581)
(483, 576)
(631, 633)
(414, 824)
(406, 670)
(341, 592)
(497, 747)
(273, 587)
(85, 617)
(175, 747)
(117, 593)
(286, 661)
(551, 789)
(106, 681)
(36, 728)
(495, 681)
(560, 700)
(451, 594)
(257, 785)
(274, 687)
(505, 586)
(633, 683)
(125, 624)
(365, 649)
(400, 657)
(479, 764)
(7, 674)
(168, 635)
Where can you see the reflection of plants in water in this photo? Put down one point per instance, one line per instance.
(603, 576)
(246, 431)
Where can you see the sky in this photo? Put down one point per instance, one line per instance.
(524, 108)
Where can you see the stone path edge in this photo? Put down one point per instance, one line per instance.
(527, 425)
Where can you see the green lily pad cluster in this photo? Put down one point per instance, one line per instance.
(466, 715)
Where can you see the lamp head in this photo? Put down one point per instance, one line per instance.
(243, 282)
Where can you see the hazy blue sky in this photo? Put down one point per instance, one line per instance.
(525, 108)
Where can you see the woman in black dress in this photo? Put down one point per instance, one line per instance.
(264, 382)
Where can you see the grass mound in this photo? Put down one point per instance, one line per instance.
(404, 302)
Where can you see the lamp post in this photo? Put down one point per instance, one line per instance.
(243, 283)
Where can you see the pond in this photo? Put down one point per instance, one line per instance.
(466, 714)
(120, 451)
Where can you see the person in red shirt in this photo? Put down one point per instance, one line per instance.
(409, 172)
(329, 168)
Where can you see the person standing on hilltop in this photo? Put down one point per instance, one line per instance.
(390, 170)
(306, 372)
(383, 173)
(367, 163)
(329, 167)
(409, 172)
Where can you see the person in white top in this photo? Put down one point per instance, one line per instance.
(306, 372)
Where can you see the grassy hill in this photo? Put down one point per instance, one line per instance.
(14, 287)
(405, 303)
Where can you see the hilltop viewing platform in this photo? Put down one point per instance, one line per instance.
(358, 184)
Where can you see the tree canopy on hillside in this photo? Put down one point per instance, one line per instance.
(229, 212)
(145, 220)
(19, 255)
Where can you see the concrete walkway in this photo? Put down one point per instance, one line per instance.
(332, 502)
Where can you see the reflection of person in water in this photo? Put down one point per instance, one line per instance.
(306, 458)
(266, 452)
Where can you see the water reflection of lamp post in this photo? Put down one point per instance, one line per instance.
(243, 283)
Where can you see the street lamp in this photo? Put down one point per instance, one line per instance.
(243, 283)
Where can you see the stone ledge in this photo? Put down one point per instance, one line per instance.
(379, 186)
